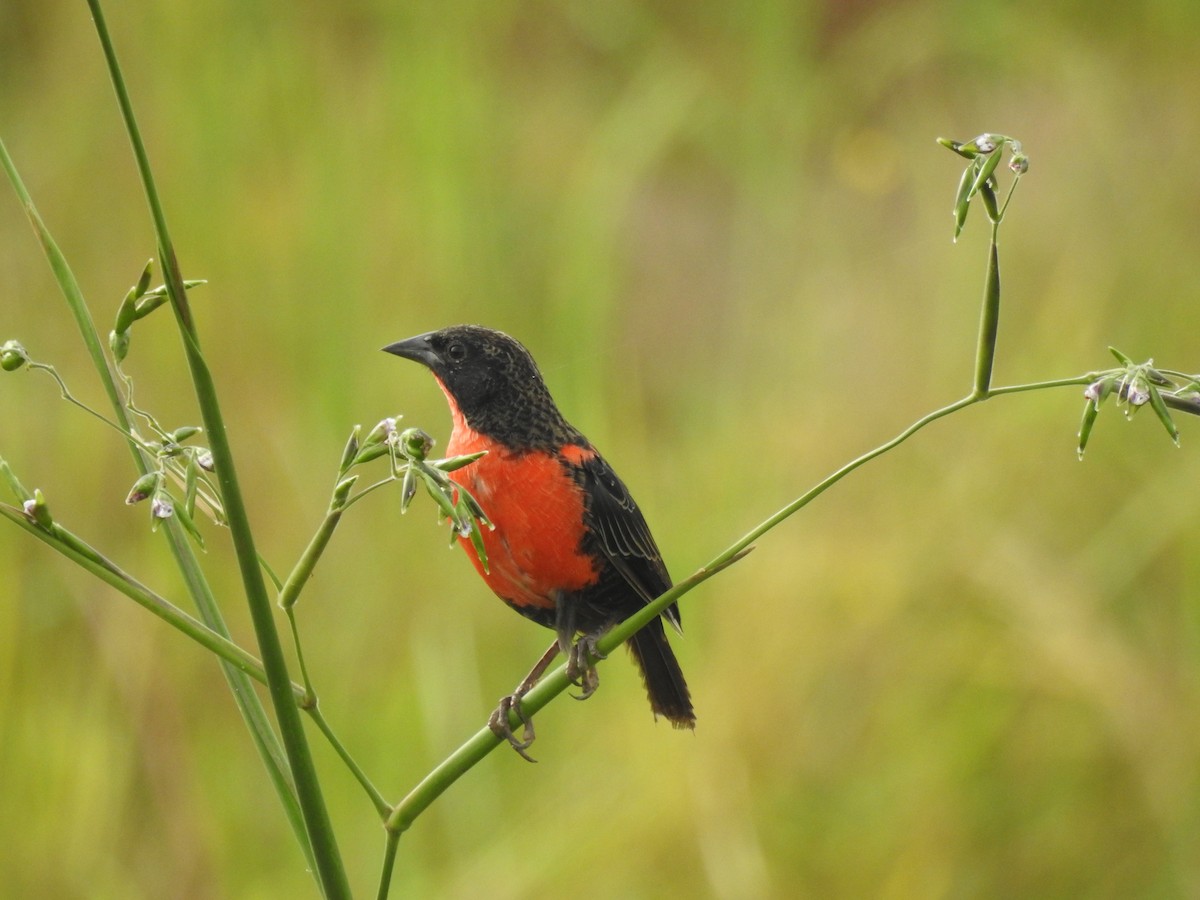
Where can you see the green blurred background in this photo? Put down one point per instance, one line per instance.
(973, 669)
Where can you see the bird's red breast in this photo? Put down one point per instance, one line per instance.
(537, 510)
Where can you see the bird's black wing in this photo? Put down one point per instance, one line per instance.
(622, 535)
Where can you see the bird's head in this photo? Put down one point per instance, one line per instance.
(490, 377)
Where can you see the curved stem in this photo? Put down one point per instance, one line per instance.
(812, 493)
(382, 807)
(290, 592)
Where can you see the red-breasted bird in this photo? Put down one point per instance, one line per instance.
(570, 549)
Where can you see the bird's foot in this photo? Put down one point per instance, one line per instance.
(499, 719)
(502, 728)
(581, 665)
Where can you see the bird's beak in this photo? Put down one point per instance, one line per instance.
(418, 349)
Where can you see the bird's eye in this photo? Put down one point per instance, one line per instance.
(457, 352)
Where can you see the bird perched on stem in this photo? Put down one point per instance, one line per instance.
(569, 549)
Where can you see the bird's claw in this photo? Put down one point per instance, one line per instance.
(581, 669)
(581, 665)
(498, 722)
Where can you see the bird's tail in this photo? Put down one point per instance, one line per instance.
(664, 680)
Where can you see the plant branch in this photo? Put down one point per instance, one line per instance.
(302, 571)
(382, 807)
(328, 862)
(989, 318)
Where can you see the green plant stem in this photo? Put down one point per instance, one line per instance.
(382, 807)
(1189, 404)
(248, 703)
(290, 592)
(391, 844)
(989, 319)
(329, 867)
(806, 498)
(1042, 385)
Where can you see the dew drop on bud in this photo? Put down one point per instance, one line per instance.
(985, 143)
(1138, 396)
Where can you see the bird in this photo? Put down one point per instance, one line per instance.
(569, 548)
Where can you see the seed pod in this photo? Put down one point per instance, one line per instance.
(351, 450)
(440, 497)
(962, 200)
(989, 202)
(37, 510)
(143, 488)
(415, 443)
(380, 433)
(985, 171)
(118, 343)
(191, 486)
(1090, 411)
(457, 462)
(1160, 408)
(477, 543)
(181, 434)
(149, 303)
(408, 489)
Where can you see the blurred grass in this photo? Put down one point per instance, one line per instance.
(724, 232)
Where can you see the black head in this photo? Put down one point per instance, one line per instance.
(494, 381)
